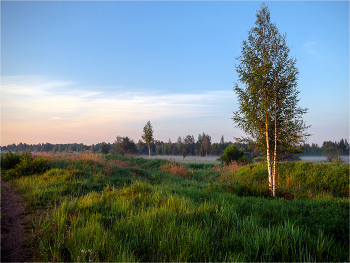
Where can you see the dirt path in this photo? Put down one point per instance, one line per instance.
(13, 248)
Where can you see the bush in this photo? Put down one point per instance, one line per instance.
(233, 154)
(9, 160)
(9, 174)
(27, 166)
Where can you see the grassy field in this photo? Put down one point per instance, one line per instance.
(113, 208)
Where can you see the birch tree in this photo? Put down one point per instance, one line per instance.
(268, 105)
(147, 136)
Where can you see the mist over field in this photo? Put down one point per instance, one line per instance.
(214, 159)
(189, 158)
(344, 158)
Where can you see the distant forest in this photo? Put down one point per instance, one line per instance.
(200, 147)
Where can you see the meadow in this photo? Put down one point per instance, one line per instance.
(115, 208)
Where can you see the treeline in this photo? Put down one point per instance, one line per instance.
(342, 147)
(203, 146)
(187, 145)
(48, 147)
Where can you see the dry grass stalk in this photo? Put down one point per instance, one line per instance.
(174, 169)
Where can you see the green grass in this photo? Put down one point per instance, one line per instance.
(97, 210)
(294, 180)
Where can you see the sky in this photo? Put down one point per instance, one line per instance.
(87, 72)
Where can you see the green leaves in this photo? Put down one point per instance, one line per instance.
(147, 135)
(231, 154)
(27, 166)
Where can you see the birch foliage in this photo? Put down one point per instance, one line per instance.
(147, 136)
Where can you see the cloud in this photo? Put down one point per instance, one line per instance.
(310, 47)
(54, 106)
(309, 44)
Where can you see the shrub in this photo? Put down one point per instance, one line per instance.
(99, 177)
(27, 166)
(9, 174)
(233, 154)
(9, 160)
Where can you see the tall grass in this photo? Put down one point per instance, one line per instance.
(112, 208)
(294, 180)
(141, 222)
(174, 169)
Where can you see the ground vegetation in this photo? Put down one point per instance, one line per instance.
(118, 208)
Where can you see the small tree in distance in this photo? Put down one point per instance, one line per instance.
(104, 148)
(147, 136)
(125, 145)
(232, 153)
(332, 154)
(184, 154)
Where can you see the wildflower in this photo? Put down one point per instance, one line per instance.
(78, 258)
(90, 250)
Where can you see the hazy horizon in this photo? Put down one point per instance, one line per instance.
(86, 72)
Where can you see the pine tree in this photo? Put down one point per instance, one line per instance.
(190, 141)
(222, 144)
(268, 106)
(202, 151)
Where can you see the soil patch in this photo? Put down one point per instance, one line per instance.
(13, 247)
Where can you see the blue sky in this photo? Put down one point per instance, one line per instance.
(86, 72)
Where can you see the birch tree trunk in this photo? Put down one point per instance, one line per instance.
(268, 156)
(275, 139)
(274, 153)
